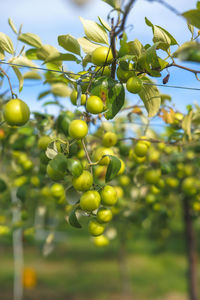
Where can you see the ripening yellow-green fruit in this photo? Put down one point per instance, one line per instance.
(102, 56)
(134, 84)
(100, 152)
(78, 129)
(109, 139)
(73, 98)
(94, 105)
(16, 112)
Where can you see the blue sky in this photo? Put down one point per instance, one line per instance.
(50, 18)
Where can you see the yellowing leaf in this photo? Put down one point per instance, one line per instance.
(87, 46)
(150, 95)
(30, 39)
(6, 43)
(23, 61)
(94, 31)
(186, 124)
(10, 22)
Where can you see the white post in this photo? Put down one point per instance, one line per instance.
(17, 251)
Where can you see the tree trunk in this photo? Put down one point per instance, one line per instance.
(191, 251)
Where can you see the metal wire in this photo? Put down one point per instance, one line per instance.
(68, 73)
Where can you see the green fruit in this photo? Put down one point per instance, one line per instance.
(43, 142)
(172, 182)
(35, 181)
(134, 85)
(101, 151)
(94, 105)
(141, 149)
(95, 228)
(123, 75)
(90, 201)
(102, 56)
(152, 176)
(16, 112)
(104, 215)
(109, 139)
(74, 167)
(108, 195)
(54, 174)
(150, 198)
(124, 180)
(78, 129)
(57, 190)
(83, 182)
(189, 186)
(100, 241)
(73, 98)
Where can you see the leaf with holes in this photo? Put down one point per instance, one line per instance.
(112, 94)
(113, 168)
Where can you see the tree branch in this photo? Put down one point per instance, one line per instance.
(11, 90)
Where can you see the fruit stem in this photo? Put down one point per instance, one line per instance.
(87, 155)
(10, 85)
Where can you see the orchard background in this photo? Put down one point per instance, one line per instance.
(99, 149)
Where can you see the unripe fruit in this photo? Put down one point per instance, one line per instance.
(83, 182)
(53, 174)
(104, 215)
(57, 190)
(101, 151)
(123, 75)
(78, 129)
(43, 142)
(141, 149)
(109, 195)
(35, 181)
(189, 186)
(90, 201)
(150, 198)
(134, 85)
(73, 98)
(95, 228)
(109, 139)
(94, 105)
(172, 182)
(124, 180)
(102, 56)
(16, 112)
(119, 190)
(152, 176)
(145, 141)
(101, 241)
(106, 71)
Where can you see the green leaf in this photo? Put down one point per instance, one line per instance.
(2, 55)
(23, 60)
(113, 3)
(69, 43)
(186, 124)
(189, 51)
(43, 94)
(30, 39)
(12, 26)
(94, 31)
(135, 48)
(162, 36)
(59, 163)
(113, 168)
(62, 57)
(198, 4)
(74, 167)
(32, 75)
(193, 17)
(73, 221)
(104, 24)
(111, 92)
(50, 103)
(191, 28)
(20, 78)
(150, 95)
(6, 43)
(60, 90)
(87, 46)
(45, 51)
(32, 54)
(28, 131)
(124, 48)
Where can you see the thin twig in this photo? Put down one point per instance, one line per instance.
(11, 90)
(87, 155)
